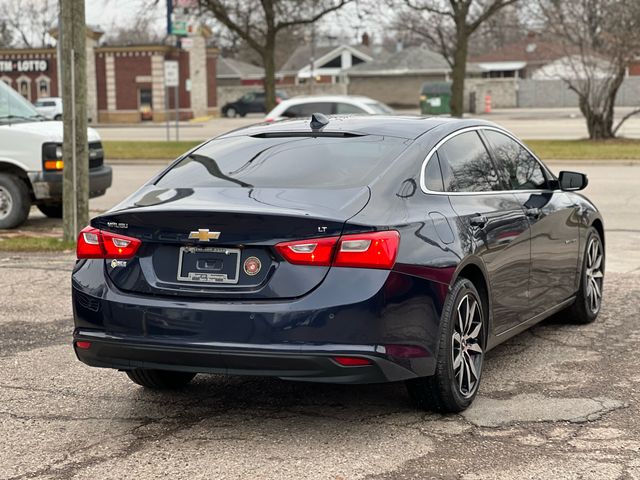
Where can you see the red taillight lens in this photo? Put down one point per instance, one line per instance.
(368, 250)
(315, 251)
(365, 250)
(406, 351)
(352, 361)
(94, 243)
(83, 345)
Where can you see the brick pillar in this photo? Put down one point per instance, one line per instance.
(157, 86)
(110, 74)
(198, 74)
(92, 87)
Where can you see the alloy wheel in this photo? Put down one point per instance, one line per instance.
(466, 343)
(594, 274)
(6, 203)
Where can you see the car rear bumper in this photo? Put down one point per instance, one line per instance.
(303, 363)
(353, 312)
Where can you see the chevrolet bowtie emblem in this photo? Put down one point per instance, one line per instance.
(204, 235)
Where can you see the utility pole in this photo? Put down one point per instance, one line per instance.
(312, 77)
(75, 175)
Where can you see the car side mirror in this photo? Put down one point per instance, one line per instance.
(572, 181)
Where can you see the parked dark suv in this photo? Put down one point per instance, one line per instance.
(252, 102)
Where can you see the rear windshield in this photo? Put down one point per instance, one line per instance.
(287, 162)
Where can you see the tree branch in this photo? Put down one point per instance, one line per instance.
(314, 18)
(493, 8)
(624, 119)
(222, 15)
(429, 8)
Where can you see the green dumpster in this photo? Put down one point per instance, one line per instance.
(435, 98)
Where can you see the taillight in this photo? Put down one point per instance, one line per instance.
(315, 251)
(364, 250)
(368, 250)
(94, 243)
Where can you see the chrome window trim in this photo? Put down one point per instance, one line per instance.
(423, 185)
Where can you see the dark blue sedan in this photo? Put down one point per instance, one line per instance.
(346, 249)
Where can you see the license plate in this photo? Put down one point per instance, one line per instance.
(208, 265)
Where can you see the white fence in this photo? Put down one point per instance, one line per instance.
(555, 93)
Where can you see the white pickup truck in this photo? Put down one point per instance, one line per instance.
(31, 161)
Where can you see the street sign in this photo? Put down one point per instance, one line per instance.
(171, 73)
(179, 27)
(187, 43)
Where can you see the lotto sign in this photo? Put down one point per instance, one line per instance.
(9, 66)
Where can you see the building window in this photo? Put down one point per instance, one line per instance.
(44, 86)
(24, 86)
(6, 80)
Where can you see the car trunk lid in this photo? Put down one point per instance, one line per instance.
(209, 242)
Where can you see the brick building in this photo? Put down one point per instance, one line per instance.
(124, 83)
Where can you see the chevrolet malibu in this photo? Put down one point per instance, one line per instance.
(342, 249)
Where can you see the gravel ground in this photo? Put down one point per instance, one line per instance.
(556, 402)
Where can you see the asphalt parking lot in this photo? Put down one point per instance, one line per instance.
(558, 401)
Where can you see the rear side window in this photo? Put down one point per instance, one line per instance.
(308, 109)
(346, 108)
(433, 175)
(516, 165)
(466, 165)
(285, 162)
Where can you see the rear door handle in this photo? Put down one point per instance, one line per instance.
(478, 220)
(533, 212)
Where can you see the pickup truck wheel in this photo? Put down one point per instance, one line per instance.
(14, 201)
(51, 210)
(58, 117)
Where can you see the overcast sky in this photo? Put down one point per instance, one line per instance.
(351, 22)
(107, 13)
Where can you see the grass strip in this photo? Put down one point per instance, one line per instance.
(25, 243)
(617, 149)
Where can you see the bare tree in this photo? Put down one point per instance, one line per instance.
(140, 32)
(259, 23)
(599, 38)
(447, 25)
(504, 27)
(6, 35)
(29, 21)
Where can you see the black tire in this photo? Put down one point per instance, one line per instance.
(51, 210)
(14, 201)
(58, 117)
(230, 112)
(581, 311)
(160, 379)
(445, 391)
